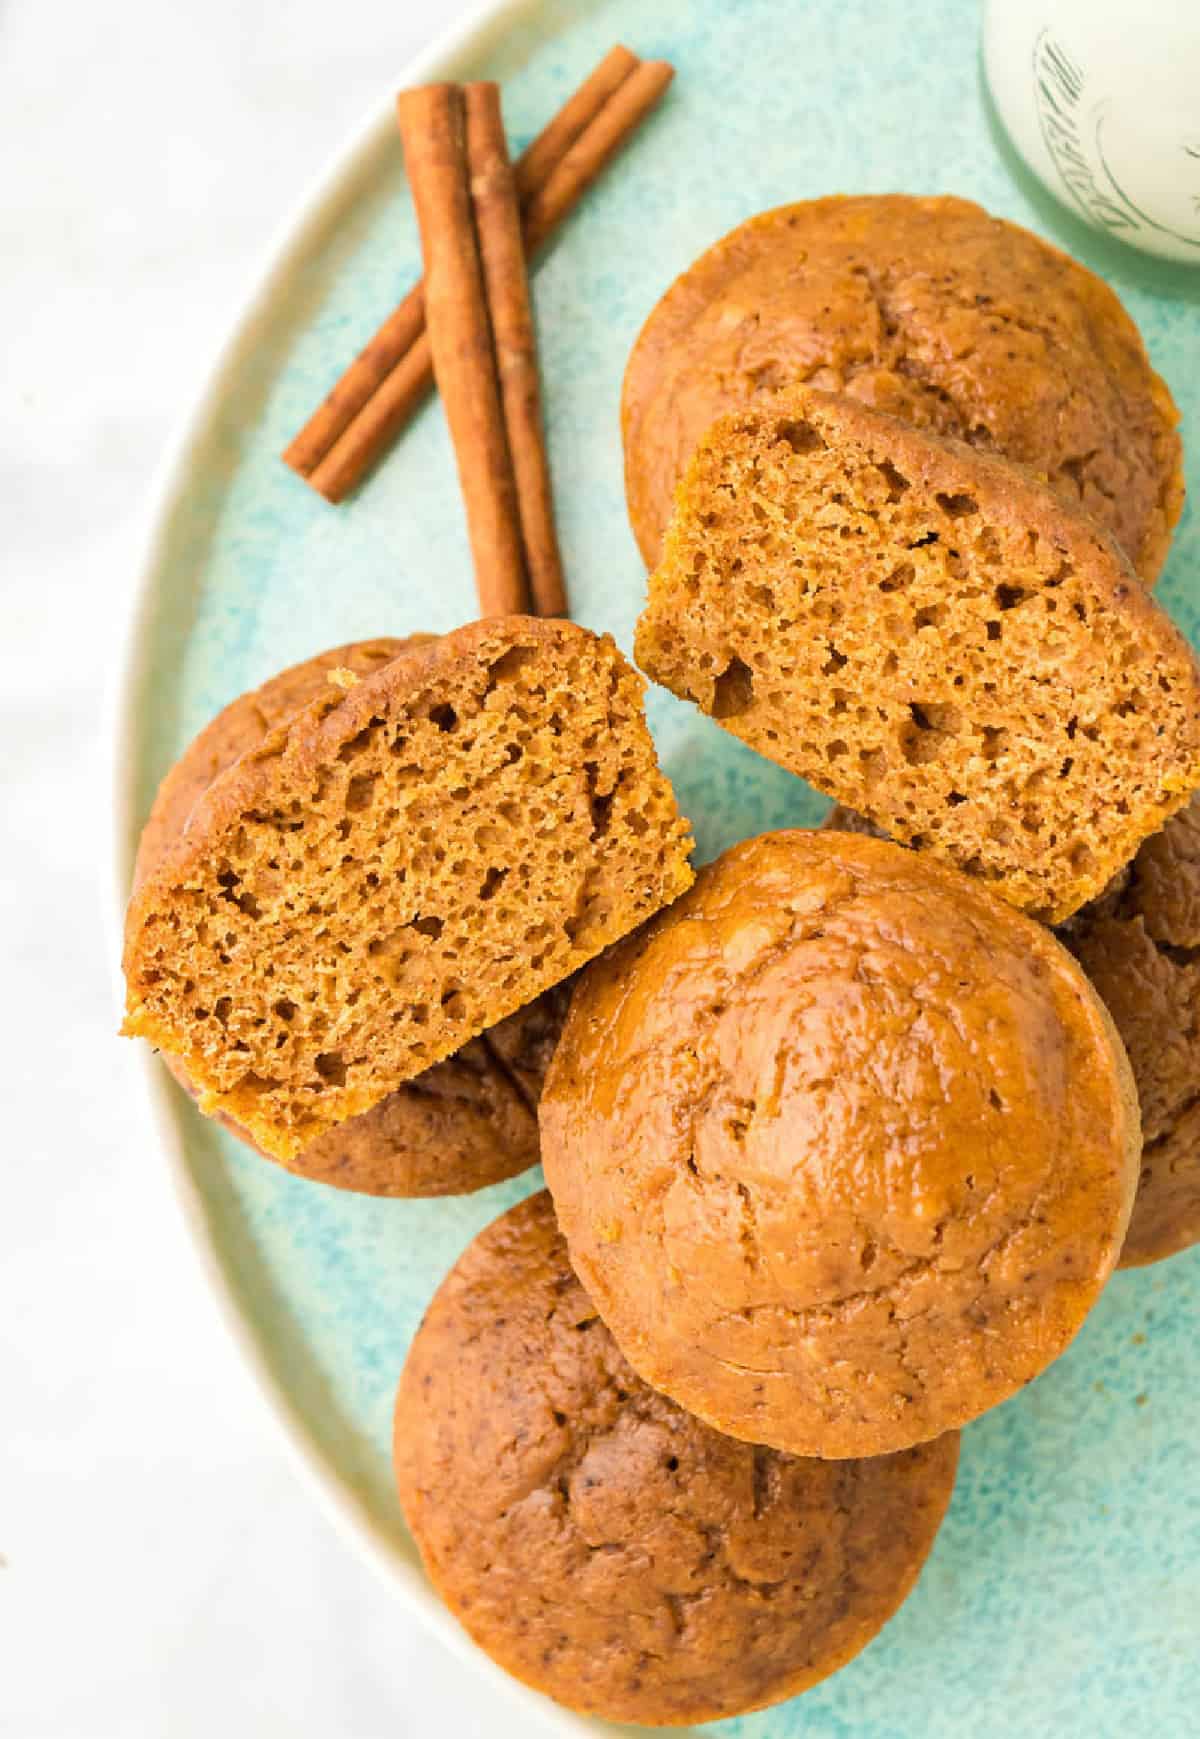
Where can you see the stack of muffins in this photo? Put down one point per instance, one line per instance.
(844, 1136)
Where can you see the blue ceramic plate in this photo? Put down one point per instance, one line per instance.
(1063, 1596)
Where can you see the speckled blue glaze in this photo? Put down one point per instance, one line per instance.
(1063, 1597)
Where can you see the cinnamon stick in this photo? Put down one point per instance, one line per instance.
(498, 226)
(367, 435)
(364, 434)
(312, 448)
(599, 142)
(370, 369)
(433, 129)
(544, 153)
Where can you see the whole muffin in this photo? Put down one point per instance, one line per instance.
(609, 1549)
(1140, 946)
(465, 1123)
(1139, 943)
(843, 1147)
(930, 309)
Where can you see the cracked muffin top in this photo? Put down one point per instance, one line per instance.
(605, 1546)
(460, 1126)
(931, 309)
(843, 1147)
(1139, 943)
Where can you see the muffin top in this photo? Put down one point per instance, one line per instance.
(605, 1546)
(1139, 944)
(930, 309)
(843, 1147)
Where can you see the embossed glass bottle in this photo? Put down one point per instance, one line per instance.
(1102, 100)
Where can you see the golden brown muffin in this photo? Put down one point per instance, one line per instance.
(401, 865)
(843, 1147)
(929, 637)
(606, 1547)
(1139, 944)
(463, 1125)
(467, 1122)
(927, 308)
(245, 724)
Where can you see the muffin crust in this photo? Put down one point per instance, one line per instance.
(843, 1148)
(932, 310)
(606, 1547)
(1139, 944)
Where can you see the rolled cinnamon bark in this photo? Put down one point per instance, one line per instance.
(370, 370)
(367, 396)
(379, 392)
(385, 410)
(433, 129)
(502, 251)
(538, 160)
(599, 141)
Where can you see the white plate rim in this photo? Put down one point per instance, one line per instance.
(470, 38)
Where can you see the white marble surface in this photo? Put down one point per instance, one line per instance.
(164, 1572)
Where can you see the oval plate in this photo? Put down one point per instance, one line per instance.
(1063, 1592)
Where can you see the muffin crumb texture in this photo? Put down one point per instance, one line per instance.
(927, 636)
(459, 1126)
(399, 867)
(468, 1122)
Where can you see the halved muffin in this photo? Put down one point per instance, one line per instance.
(467, 1122)
(926, 634)
(407, 861)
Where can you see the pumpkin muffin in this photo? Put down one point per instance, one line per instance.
(402, 864)
(930, 637)
(460, 1126)
(1139, 944)
(842, 1146)
(245, 724)
(931, 310)
(609, 1549)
